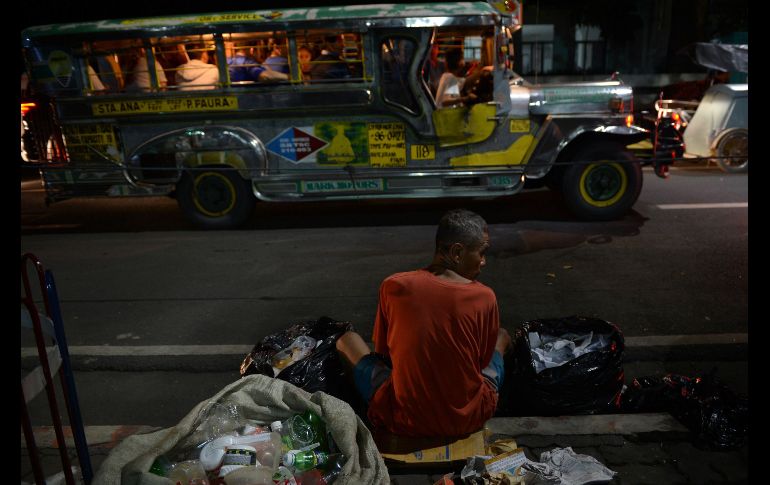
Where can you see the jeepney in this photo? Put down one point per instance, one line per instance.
(375, 133)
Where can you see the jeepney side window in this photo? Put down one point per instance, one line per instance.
(188, 63)
(257, 58)
(330, 56)
(105, 62)
(397, 56)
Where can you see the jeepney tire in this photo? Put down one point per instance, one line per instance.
(224, 200)
(603, 184)
(734, 143)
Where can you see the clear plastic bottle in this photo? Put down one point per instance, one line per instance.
(267, 446)
(305, 460)
(300, 348)
(318, 477)
(302, 432)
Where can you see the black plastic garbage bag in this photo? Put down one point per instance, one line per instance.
(320, 370)
(587, 383)
(717, 416)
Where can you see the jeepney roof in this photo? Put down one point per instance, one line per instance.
(386, 15)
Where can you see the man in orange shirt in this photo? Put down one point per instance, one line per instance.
(437, 363)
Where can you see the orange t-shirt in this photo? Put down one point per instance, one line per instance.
(439, 336)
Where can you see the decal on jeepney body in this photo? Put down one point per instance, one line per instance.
(387, 144)
(317, 186)
(295, 144)
(60, 64)
(334, 143)
(91, 142)
(165, 105)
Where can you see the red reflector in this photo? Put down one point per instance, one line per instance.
(26, 107)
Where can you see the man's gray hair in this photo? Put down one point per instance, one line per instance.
(460, 225)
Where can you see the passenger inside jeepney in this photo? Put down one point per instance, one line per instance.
(329, 65)
(197, 73)
(277, 60)
(434, 68)
(306, 55)
(244, 68)
(94, 80)
(450, 90)
(138, 75)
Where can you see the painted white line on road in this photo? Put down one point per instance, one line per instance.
(723, 205)
(148, 350)
(611, 424)
(583, 425)
(185, 350)
(673, 340)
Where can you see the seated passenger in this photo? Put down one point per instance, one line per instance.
(96, 83)
(451, 86)
(433, 69)
(329, 65)
(139, 75)
(197, 73)
(243, 67)
(305, 55)
(277, 61)
(452, 81)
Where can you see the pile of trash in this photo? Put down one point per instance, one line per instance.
(256, 431)
(229, 450)
(558, 466)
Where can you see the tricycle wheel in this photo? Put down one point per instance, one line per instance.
(733, 151)
(603, 183)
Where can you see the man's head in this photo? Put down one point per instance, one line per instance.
(198, 51)
(462, 240)
(454, 60)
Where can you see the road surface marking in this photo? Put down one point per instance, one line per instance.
(584, 425)
(182, 350)
(608, 424)
(724, 205)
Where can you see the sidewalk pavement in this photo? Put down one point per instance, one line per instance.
(652, 448)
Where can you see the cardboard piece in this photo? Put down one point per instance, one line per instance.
(462, 449)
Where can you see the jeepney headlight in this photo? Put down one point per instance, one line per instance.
(629, 120)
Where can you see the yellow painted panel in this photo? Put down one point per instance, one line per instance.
(460, 125)
(513, 155)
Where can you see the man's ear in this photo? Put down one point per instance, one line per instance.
(456, 252)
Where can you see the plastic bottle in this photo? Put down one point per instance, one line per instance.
(318, 477)
(305, 460)
(302, 432)
(267, 448)
(250, 475)
(188, 472)
(300, 348)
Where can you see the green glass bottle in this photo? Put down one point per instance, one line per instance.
(305, 460)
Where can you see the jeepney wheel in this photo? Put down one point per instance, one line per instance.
(733, 150)
(603, 183)
(215, 198)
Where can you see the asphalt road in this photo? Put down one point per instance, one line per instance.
(159, 315)
(658, 271)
